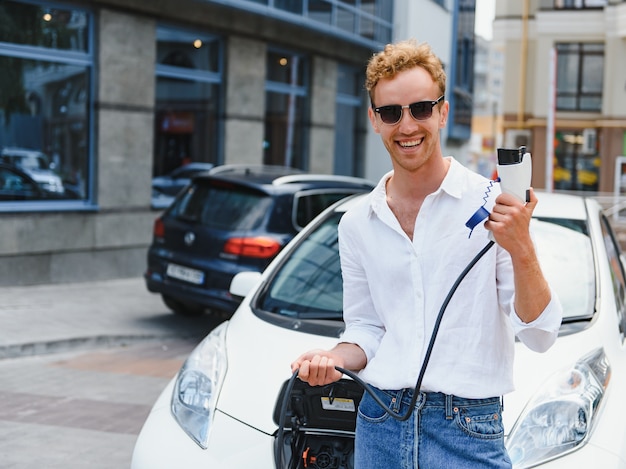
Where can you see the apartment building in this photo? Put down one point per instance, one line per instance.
(564, 89)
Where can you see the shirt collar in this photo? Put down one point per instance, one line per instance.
(452, 185)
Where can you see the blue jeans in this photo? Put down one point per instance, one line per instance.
(443, 432)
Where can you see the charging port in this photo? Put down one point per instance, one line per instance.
(319, 425)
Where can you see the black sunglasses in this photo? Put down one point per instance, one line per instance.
(420, 111)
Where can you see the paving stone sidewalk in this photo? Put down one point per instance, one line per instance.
(80, 367)
(48, 318)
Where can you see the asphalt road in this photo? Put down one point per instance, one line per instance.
(80, 367)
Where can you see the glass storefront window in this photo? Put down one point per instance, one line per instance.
(45, 103)
(188, 99)
(350, 122)
(574, 169)
(286, 101)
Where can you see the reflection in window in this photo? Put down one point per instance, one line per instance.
(285, 109)
(188, 99)
(44, 104)
(40, 26)
(580, 76)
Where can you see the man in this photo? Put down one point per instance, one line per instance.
(401, 251)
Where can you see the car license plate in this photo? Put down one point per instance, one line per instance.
(186, 274)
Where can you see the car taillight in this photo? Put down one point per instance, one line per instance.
(159, 229)
(259, 247)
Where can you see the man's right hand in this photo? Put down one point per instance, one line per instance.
(317, 367)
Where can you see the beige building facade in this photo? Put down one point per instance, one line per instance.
(564, 88)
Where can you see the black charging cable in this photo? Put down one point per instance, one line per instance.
(283, 411)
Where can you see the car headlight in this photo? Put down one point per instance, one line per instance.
(558, 419)
(198, 385)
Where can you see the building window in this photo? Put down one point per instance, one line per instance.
(462, 73)
(576, 168)
(286, 106)
(292, 6)
(188, 99)
(45, 105)
(580, 76)
(350, 122)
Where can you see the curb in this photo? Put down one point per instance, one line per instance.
(81, 343)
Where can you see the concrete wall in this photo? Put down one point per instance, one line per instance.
(322, 138)
(245, 100)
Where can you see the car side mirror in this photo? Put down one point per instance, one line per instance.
(243, 283)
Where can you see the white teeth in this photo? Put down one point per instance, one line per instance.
(411, 143)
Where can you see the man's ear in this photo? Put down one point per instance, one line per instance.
(372, 116)
(443, 114)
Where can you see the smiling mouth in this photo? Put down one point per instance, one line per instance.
(411, 143)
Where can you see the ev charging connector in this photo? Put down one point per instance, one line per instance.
(514, 175)
(515, 172)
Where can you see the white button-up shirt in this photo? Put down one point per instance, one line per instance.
(394, 289)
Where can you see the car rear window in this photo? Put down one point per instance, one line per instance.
(224, 208)
(312, 203)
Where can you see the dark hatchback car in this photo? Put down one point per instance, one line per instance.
(229, 220)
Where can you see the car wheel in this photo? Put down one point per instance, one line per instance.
(184, 309)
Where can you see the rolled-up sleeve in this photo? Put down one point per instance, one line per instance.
(540, 334)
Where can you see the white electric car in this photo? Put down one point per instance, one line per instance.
(225, 407)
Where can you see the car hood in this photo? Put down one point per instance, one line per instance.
(259, 357)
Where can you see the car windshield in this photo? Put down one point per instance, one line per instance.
(223, 208)
(309, 284)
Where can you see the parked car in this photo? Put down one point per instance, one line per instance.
(16, 184)
(165, 188)
(233, 219)
(37, 165)
(224, 407)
